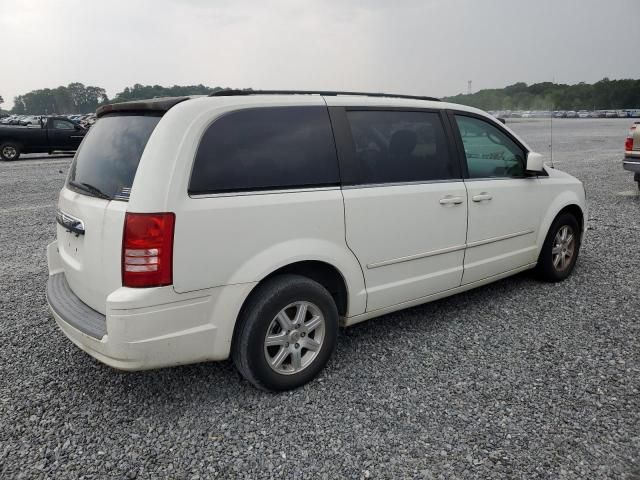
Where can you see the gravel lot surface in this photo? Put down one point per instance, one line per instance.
(518, 379)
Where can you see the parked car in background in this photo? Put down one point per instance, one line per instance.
(34, 120)
(559, 114)
(323, 210)
(631, 160)
(621, 114)
(571, 114)
(610, 114)
(55, 134)
(583, 114)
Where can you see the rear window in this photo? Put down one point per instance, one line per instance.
(267, 148)
(108, 157)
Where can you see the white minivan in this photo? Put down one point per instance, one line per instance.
(253, 224)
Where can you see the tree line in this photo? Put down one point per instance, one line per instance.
(74, 98)
(78, 98)
(603, 95)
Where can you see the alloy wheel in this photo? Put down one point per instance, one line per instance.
(564, 246)
(9, 152)
(294, 338)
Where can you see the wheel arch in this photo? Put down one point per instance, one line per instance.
(326, 274)
(564, 204)
(13, 141)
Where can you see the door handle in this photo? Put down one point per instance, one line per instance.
(481, 197)
(449, 200)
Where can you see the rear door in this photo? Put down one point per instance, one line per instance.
(504, 203)
(405, 202)
(63, 134)
(95, 199)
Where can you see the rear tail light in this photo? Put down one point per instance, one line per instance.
(147, 249)
(628, 143)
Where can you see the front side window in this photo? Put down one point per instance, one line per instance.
(62, 125)
(400, 146)
(267, 148)
(489, 151)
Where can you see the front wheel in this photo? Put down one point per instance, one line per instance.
(9, 151)
(286, 334)
(560, 249)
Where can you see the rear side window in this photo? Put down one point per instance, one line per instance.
(397, 146)
(266, 149)
(108, 157)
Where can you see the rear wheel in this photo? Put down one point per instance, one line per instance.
(286, 334)
(9, 151)
(560, 250)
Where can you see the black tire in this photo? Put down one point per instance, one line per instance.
(546, 268)
(255, 321)
(5, 150)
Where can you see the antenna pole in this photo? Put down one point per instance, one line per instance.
(551, 141)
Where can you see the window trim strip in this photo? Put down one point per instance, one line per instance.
(278, 191)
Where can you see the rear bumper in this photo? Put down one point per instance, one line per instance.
(147, 328)
(632, 164)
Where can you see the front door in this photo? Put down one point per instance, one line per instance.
(504, 206)
(63, 135)
(406, 210)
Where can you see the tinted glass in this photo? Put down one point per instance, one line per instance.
(62, 125)
(109, 155)
(266, 148)
(394, 146)
(489, 151)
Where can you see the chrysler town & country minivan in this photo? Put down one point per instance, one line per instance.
(252, 225)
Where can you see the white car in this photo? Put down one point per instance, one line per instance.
(254, 224)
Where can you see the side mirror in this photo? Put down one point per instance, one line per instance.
(534, 162)
(502, 120)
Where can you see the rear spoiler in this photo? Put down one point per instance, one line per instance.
(153, 105)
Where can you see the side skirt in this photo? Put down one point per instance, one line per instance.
(348, 321)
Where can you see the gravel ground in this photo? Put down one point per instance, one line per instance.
(518, 379)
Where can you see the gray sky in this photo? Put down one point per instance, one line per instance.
(424, 47)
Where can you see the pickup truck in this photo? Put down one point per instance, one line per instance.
(53, 134)
(631, 160)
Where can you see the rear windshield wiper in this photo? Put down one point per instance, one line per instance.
(87, 187)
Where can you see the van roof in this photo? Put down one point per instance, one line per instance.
(324, 93)
(232, 98)
(162, 104)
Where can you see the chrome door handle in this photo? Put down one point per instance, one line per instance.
(481, 197)
(449, 200)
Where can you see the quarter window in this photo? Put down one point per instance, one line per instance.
(489, 151)
(266, 148)
(400, 146)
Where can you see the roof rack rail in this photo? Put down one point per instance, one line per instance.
(327, 93)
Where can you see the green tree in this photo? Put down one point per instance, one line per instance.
(143, 92)
(605, 94)
(74, 98)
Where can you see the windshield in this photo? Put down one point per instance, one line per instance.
(108, 157)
